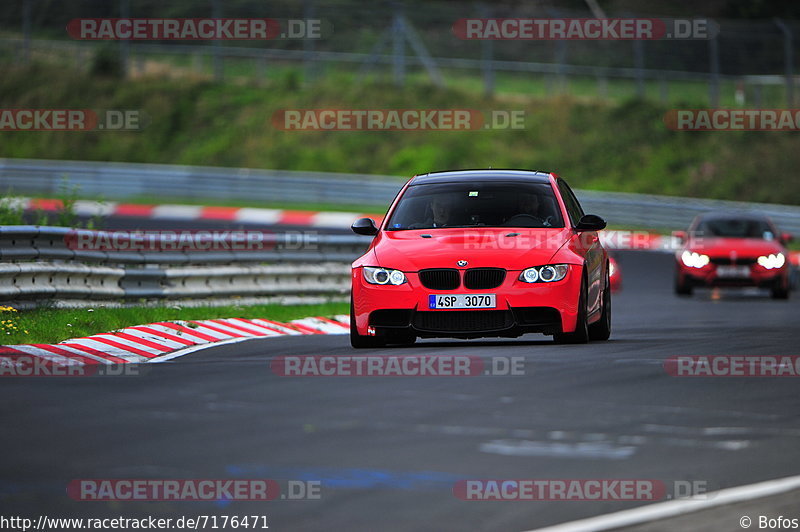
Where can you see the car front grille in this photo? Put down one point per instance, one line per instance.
(440, 278)
(463, 321)
(725, 261)
(484, 278)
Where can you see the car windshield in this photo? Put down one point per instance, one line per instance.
(476, 205)
(736, 228)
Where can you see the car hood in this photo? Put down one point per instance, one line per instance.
(509, 248)
(743, 247)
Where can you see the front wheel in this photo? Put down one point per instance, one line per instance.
(358, 341)
(581, 334)
(682, 288)
(780, 291)
(601, 329)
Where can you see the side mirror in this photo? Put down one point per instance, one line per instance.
(680, 235)
(591, 222)
(786, 238)
(364, 226)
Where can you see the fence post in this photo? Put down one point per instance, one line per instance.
(309, 46)
(418, 47)
(713, 86)
(638, 63)
(125, 44)
(398, 47)
(198, 64)
(663, 89)
(788, 58)
(487, 56)
(216, 12)
(26, 31)
(602, 84)
(561, 57)
(261, 69)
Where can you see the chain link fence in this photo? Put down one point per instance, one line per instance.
(749, 63)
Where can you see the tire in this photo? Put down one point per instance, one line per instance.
(682, 288)
(780, 292)
(581, 334)
(601, 329)
(358, 341)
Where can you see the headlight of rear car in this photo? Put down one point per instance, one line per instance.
(383, 276)
(771, 262)
(544, 274)
(694, 260)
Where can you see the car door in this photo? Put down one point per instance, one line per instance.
(589, 243)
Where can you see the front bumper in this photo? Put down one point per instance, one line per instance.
(707, 277)
(547, 308)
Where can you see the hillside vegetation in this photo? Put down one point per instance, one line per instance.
(621, 146)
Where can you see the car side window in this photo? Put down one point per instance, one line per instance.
(574, 209)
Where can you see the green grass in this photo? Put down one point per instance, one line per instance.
(48, 325)
(620, 145)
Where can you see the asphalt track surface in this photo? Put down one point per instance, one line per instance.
(388, 450)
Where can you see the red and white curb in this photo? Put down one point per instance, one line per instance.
(162, 341)
(200, 212)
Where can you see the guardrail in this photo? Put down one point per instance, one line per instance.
(33, 242)
(130, 180)
(318, 266)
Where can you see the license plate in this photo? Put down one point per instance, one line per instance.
(733, 271)
(437, 301)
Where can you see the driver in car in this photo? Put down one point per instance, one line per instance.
(440, 209)
(528, 204)
(528, 208)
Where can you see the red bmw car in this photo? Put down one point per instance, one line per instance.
(481, 253)
(733, 249)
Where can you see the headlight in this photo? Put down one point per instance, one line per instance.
(383, 276)
(544, 274)
(694, 260)
(771, 262)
